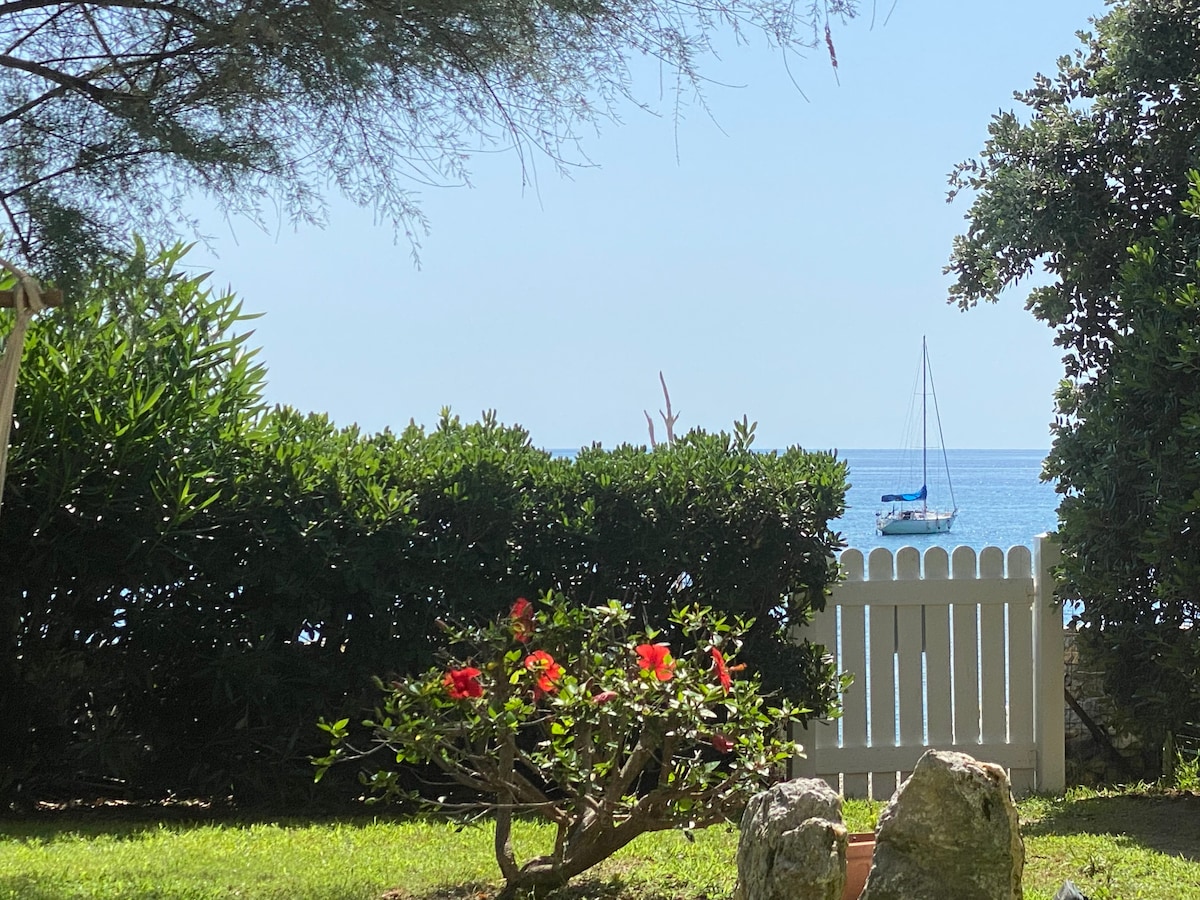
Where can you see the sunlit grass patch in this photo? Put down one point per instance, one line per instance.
(1112, 845)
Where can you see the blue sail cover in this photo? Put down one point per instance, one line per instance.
(905, 498)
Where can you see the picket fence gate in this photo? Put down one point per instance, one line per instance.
(958, 653)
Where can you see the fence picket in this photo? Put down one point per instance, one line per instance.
(1021, 668)
(912, 700)
(965, 641)
(910, 638)
(939, 700)
(854, 701)
(992, 655)
(881, 668)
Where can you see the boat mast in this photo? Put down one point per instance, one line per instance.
(924, 442)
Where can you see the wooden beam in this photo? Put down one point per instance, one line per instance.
(50, 297)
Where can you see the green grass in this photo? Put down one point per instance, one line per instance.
(1135, 844)
(1131, 845)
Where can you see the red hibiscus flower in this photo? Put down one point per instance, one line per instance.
(548, 672)
(656, 659)
(522, 620)
(722, 743)
(462, 684)
(604, 697)
(721, 670)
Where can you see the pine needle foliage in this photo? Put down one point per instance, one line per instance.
(114, 113)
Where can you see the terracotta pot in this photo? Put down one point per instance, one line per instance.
(859, 851)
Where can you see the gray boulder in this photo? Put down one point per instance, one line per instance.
(792, 844)
(949, 833)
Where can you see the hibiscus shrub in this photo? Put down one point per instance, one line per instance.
(570, 714)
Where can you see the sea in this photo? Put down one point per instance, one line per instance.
(1001, 500)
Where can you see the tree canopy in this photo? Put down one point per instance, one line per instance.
(114, 112)
(1095, 185)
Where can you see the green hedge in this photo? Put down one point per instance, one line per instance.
(191, 580)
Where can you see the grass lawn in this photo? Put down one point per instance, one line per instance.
(1112, 845)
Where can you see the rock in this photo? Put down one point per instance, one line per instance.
(792, 844)
(949, 833)
(1069, 892)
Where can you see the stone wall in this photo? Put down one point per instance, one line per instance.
(1096, 752)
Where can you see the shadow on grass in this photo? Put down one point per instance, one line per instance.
(616, 888)
(120, 822)
(1167, 823)
(21, 887)
(612, 888)
(28, 889)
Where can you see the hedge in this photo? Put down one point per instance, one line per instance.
(192, 579)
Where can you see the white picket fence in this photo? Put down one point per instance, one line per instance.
(952, 652)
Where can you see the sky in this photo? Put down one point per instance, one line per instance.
(778, 255)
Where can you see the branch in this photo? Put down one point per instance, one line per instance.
(669, 417)
(73, 82)
(18, 6)
(526, 791)
(642, 753)
(481, 806)
(67, 170)
(21, 236)
(584, 745)
(108, 51)
(503, 841)
(455, 771)
(670, 742)
(51, 94)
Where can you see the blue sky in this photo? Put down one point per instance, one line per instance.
(778, 256)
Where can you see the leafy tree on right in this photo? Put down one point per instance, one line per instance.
(1097, 185)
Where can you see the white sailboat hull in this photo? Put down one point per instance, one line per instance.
(915, 521)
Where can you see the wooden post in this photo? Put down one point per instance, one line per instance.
(50, 297)
(1048, 664)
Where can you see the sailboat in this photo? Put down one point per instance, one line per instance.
(905, 517)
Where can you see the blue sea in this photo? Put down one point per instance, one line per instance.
(1001, 500)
